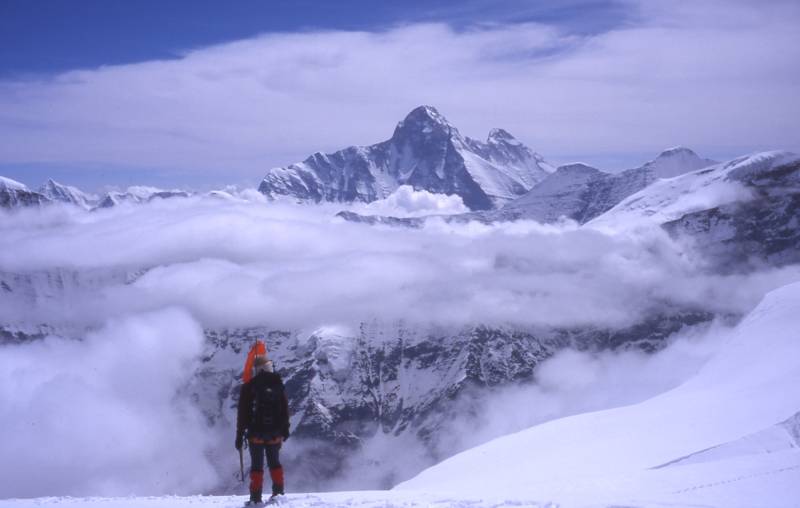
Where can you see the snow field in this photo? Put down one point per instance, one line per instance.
(365, 499)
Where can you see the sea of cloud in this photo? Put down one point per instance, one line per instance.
(102, 415)
(236, 262)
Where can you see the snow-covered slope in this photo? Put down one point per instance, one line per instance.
(565, 193)
(698, 443)
(14, 194)
(361, 499)
(55, 191)
(606, 193)
(738, 215)
(717, 185)
(676, 161)
(426, 152)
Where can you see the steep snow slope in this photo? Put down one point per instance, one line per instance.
(9, 184)
(426, 152)
(641, 452)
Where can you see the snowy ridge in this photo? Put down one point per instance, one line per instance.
(9, 184)
(55, 191)
(562, 194)
(670, 199)
(425, 152)
(580, 192)
(14, 194)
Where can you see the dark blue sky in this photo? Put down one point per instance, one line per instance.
(46, 36)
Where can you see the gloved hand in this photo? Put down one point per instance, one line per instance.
(285, 434)
(239, 440)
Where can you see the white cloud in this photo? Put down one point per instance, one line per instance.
(238, 263)
(718, 76)
(100, 416)
(407, 202)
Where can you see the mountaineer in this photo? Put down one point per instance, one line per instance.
(263, 420)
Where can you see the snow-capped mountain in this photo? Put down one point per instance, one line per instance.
(738, 215)
(727, 437)
(565, 193)
(574, 191)
(741, 179)
(581, 193)
(675, 161)
(426, 152)
(15, 194)
(58, 192)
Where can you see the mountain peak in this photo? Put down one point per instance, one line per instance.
(677, 151)
(50, 183)
(426, 113)
(425, 120)
(501, 136)
(676, 161)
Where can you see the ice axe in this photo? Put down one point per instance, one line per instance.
(241, 463)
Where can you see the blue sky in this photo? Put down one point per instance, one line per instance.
(46, 36)
(201, 94)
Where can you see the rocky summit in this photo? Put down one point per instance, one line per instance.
(426, 152)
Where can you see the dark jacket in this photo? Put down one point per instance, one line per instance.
(247, 418)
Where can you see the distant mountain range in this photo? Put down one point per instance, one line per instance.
(581, 193)
(738, 213)
(14, 194)
(501, 177)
